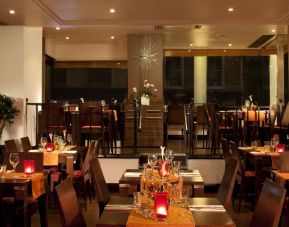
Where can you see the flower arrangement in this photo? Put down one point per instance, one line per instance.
(147, 90)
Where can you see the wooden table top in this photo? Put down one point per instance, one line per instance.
(201, 218)
(190, 177)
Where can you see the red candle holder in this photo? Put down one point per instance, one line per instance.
(49, 146)
(280, 147)
(161, 205)
(29, 166)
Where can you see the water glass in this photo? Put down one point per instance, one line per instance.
(137, 201)
(69, 138)
(14, 160)
(2, 170)
(152, 160)
(169, 155)
(183, 200)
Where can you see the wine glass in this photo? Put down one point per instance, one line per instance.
(152, 160)
(14, 160)
(169, 155)
(43, 142)
(69, 138)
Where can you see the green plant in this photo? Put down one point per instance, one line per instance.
(7, 109)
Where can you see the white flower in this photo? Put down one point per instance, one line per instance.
(134, 89)
(152, 85)
(145, 81)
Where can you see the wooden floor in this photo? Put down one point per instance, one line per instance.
(242, 218)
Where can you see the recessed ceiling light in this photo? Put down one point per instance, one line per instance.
(11, 11)
(231, 9)
(112, 37)
(224, 51)
(189, 50)
(67, 37)
(273, 30)
(112, 10)
(57, 28)
(191, 44)
(118, 63)
(230, 44)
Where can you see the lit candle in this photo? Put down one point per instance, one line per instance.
(29, 166)
(49, 146)
(161, 205)
(280, 147)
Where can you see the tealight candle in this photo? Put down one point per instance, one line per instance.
(161, 205)
(280, 147)
(49, 146)
(29, 166)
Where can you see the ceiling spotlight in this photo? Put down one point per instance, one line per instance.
(230, 44)
(118, 63)
(231, 9)
(274, 30)
(189, 51)
(11, 11)
(57, 28)
(191, 44)
(67, 37)
(112, 37)
(112, 10)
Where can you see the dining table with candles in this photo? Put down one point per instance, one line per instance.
(33, 184)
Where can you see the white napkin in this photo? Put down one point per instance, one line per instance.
(132, 174)
(70, 152)
(246, 148)
(257, 152)
(207, 208)
(118, 207)
(195, 173)
(33, 150)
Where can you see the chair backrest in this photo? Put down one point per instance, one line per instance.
(269, 206)
(53, 116)
(90, 114)
(176, 114)
(88, 157)
(36, 156)
(225, 191)
(284, 161)
(100, 186)
(98, 145)
(70, 212)
(225, 148)
(10, 145)
(25, 143)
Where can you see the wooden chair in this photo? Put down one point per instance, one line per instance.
(25, 143)
(244, 176)
(81, 178)
(10, 145)
(269, 206)
(70, 212)
(226, 151)
(102, 192)
(225, 190)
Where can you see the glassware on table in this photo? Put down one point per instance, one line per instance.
(183, 199)
(43, 142)
(152, 160)
(174, 179)
(169, 155)
(14, 160)
(2, 170)
(137, 202)
(267, 146)
(69, 138)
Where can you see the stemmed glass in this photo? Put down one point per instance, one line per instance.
(14, 160)
(152, 160)
(69, 138)
(169, 156)
(43, 142)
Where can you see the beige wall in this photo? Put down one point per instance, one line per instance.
(20, 73)
(85, 52)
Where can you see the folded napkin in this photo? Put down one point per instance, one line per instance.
(246, 148)
(257, 152)
(69, 152)
(207, 208)
(118, 207)
(33, 150)
(132, 174)
(190, 173)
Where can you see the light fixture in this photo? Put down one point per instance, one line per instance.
(118, 63)
(191, 44)
(274, 30)
(12, 11)
(230, 44)
(112, 10)
(231, 9)
(112, 37)
(67, 37)
(189, 51)
(57, 28)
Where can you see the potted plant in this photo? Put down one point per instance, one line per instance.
(7, 111)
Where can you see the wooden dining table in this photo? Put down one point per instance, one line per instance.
(33, 185)
(130, 182)
(205, 212)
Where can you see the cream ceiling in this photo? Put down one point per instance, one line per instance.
(89, 21)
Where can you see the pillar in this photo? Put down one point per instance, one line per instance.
(200, 79)
(273, 79)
